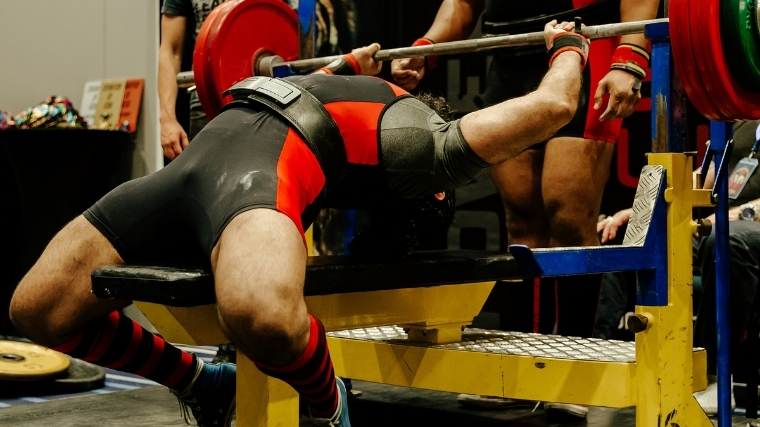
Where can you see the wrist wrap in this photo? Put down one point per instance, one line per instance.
(568, 41)
(346, 65)
(431, 60)
(632, 59)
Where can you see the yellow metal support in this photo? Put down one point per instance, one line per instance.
(436, 334)
(664, 359)
(435, 305)
(430, 305)
(610, 384)
(263, 401)
(187, 325)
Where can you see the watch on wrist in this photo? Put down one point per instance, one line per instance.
(748, 212)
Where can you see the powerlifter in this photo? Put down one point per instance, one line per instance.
(239, 197)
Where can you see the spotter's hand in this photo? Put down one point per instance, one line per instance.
(408, 72)
(624, 95)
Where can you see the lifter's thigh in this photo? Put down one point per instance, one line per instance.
(574, 174)
(259, 267)
(519, 183)
(54, 298)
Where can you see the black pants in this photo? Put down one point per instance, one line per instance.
(744, 250)
(198, 121)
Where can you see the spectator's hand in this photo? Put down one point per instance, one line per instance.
(553, 28)
(623, 99)
(608, 227)
(173, 139)
(733, 215)
(367, 63)
(408, 72)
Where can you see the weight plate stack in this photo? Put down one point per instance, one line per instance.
(685, 63)
(230, 37)
(741, 41)
(735, 102)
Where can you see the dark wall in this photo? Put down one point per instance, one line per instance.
(398, 23)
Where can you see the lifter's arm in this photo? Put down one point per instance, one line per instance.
(502, 131)
(455, 20)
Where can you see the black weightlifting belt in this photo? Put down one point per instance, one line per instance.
(603, 12)
(303, 111)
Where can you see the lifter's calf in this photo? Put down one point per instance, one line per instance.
(54, 298)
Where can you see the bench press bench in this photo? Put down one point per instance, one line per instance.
(402, 322)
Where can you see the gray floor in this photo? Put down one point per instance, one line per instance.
(380, 405)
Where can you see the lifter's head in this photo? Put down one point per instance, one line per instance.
(398, 225)
(437, 104)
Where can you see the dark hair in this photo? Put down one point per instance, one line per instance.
(398, 225)
(437, 104)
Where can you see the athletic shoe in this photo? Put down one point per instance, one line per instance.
(708, 398)
(562, 409)
(491, 402)
(340, 418)
(350, 388)
(210, 396)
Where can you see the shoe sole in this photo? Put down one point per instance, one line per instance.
(479, 404)
(563, 412)
(230, 412)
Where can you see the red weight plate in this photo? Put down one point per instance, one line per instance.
(729, 95)
(201, 75)
(238, 30)
(683, 56)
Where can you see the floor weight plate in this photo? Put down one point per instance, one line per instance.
(20, 361)
(229, 39)
(79, 377)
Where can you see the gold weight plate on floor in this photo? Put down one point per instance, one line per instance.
(20, 361)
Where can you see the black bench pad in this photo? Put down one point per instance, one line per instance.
(185, 287)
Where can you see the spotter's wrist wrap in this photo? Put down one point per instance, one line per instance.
(568, 41)
(346, 65)
(431, 60)
(632, 59)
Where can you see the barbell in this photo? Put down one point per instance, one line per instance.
(242, 38)
(264, 62)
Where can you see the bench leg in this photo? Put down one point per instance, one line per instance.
(263, 401)
(665, 369)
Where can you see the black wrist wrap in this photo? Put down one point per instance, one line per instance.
(568, 41)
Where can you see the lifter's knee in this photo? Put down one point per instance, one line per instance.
(35, 321)
(275, 335)
(55, 297)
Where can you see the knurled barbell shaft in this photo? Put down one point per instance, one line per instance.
(185, 79)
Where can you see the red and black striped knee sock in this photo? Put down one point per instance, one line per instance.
(117, 342)
(312, 374)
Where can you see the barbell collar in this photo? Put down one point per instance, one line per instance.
(185, 79)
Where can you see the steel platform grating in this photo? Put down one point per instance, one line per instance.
(509, 343)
